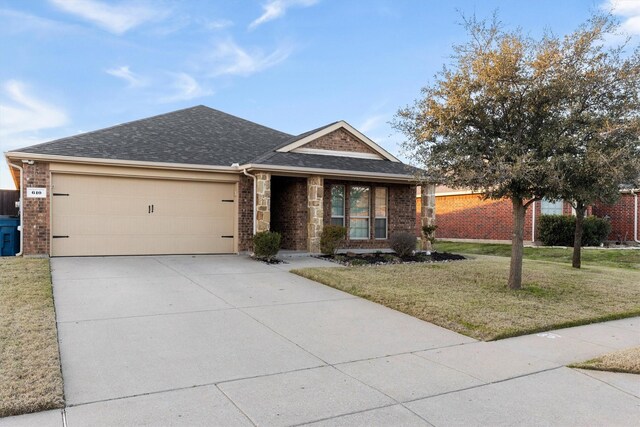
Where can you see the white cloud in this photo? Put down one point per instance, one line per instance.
(117, 19)
(26, 113)
(629, 10)
(218, 24)
(274, 9)
(21, 117)
(229, 58)
(372, 123)
(124, 73)
(186, 87)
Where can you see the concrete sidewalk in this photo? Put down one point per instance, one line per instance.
(229, 341)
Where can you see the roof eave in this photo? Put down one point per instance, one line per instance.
(331, 172)
(19, 155)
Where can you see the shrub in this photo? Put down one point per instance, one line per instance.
(595, 231)
(403, 243)
(331, 238)
(266, 244)
(558, 230)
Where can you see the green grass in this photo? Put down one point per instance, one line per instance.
(626, 361)
(620, 258)
(30, 377)
(471, 297)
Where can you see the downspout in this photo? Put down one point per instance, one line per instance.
(21, 206)
(635, 217)
(533, 222)
(254, 197)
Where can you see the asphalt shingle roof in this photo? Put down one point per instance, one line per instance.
(198, 135)
(203, 136)
(339, 163)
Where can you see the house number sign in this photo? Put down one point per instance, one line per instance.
(37, 192)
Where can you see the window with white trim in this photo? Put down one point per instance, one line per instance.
(337, 205)
(359, 212)
(548, 207)
(381, 209)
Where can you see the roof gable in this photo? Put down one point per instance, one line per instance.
(337, 139)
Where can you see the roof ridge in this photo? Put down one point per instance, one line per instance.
(199, 106)
(113, 126)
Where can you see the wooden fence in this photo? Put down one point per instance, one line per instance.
(8, 199)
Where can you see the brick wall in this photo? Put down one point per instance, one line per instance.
(340, 140)
(621, 217)
(468, 216)
(245, 213)
(401, 211)
(289, 211)
(36, 211)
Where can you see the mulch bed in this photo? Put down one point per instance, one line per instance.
(379, 258)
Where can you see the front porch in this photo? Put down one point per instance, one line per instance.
(299, 207)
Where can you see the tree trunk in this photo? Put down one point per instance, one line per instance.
(577, 236)
(517, 243)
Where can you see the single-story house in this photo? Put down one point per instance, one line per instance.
(200, 181)
(463, 214)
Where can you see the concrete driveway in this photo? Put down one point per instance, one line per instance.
(225, 340)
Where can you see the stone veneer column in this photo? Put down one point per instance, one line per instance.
(428, 214)
(315, 192)
(263, 201)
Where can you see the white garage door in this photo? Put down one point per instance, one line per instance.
(94, 215)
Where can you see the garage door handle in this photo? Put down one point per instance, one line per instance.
(60, 237)
(227, 200)
(149, 209)
(227, 237)
(152, 207)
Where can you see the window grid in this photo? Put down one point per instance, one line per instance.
(381, 209)
(359, 212)
(337, 205)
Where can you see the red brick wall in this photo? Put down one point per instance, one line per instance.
(621, 217)
(36, 211)
(289, 211)
(468, 216)
(245, 214)
(401, 211)
(340, 140)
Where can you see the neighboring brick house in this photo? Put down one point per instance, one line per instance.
(202, 181)
(462, 214)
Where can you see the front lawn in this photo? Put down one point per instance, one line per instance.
(627, 361)
(30, 377)
(621, 258)
(471, 297)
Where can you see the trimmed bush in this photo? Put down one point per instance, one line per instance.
(266, 244)
(331, 239)
(558, 230)
(595, 231)
(403, 244)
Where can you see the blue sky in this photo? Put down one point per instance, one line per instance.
(71, 66)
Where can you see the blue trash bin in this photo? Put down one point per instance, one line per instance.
(9, 235)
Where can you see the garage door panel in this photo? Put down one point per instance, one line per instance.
(111, 216)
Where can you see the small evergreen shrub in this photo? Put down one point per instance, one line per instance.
(331, 238)
(403, 243)
(595, 231)
(559, 230)
(266, 244)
